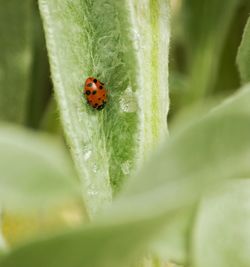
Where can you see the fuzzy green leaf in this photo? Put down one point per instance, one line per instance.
(243, 58)
(34, 170)
(221, 236)
(124, 44)
(15, 59)
(172, 181)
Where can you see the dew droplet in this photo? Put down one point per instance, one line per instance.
(92, 190)
(92, 193)
(94, 168)
(126, 166)
(128, 101)
(87, 154)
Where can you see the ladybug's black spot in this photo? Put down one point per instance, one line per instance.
(100, 87)
(99, 98)
(96, 104)
(95, 80)
(87, 92)
(89, 84)
(94, 92)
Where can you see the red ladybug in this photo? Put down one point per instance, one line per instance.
(95, 93)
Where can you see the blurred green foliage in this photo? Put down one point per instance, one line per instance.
(149, 201)
(243, 58)
(24, 69)
(42, 170)
(189, 203)
(16, 58)
(205, 40)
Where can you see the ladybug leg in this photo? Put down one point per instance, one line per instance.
(100, 107)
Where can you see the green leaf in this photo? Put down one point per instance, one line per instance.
(35, 170)
(171, 244)
(243, 58)
(228, 77)
(207, 25)
(125, 45)
(171, 182)
(15, 59)
(220, 237)
(106, 246)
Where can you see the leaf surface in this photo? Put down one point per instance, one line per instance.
(125, 45)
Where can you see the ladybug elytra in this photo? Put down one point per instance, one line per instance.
(95, 93)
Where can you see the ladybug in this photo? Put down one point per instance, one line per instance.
(95, 93)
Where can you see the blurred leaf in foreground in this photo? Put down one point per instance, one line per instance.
(221, 234)
(35, 171)
(170, 183)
